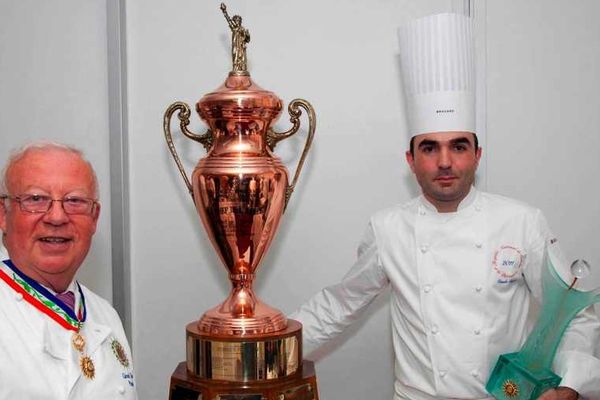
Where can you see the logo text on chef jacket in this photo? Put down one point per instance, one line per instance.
(507, 263)
(450, 110)
(128, 376)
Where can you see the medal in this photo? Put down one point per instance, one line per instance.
(85, 362)
(78, 342)
(510, 388)
(87, 366)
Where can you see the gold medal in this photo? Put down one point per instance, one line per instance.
(85, 362)
(87, 367)
(511, 389)
(78, 342)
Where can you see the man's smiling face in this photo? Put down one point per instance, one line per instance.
(48, 247)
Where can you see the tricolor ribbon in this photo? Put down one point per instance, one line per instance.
(41, 298)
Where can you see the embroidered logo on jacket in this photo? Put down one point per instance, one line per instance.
(507, 263)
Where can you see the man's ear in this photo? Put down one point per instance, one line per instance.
(3, 212)
(478, 153)
(96, 215)
(410, 159)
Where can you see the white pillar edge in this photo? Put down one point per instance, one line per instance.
(119, 165)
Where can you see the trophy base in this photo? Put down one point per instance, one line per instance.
(186, 386)
(249, 367)
(510, 380)
(247, 358)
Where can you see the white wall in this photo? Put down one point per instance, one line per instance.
(53, 86)
(543, 90)
(543, 122)
(341, 56)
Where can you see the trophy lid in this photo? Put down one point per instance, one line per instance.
(239, 97)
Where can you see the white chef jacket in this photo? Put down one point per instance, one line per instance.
(462, 284)
(38, 361)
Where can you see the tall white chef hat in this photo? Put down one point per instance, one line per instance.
(437, 64)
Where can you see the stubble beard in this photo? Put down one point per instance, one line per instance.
(455, 193)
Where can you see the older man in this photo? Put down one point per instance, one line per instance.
(463, 265)
(58, 340)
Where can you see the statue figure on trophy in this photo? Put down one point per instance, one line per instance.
(240, 36)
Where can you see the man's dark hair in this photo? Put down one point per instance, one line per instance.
(412, 144)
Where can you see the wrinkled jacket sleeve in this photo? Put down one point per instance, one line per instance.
(334, 308)
(575, 359)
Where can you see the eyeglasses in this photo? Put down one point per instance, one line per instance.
(38, 203)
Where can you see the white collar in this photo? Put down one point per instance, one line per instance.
(3, 253)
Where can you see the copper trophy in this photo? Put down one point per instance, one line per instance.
(242, 349)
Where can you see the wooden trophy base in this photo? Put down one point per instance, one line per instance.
(185, 386)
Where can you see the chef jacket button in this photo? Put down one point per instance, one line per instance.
(434, 329)
(477, 207)
(474, 373)
(422, 212)
(18, 296)
(427, 288)
(477, 331)
(424, 248)
(442, 373)
(478, 245)
(121, 390)
(478, 288)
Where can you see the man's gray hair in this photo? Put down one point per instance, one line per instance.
(42, 146)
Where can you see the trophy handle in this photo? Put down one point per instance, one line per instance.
(184, 118)
(274, 137)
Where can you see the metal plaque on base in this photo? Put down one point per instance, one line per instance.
(242, 349)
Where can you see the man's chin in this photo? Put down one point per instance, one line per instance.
(53, 265)
(449, 196)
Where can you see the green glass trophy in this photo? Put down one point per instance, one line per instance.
(528, 373)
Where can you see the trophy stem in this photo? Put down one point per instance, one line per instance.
(241, 302)
(242, 313)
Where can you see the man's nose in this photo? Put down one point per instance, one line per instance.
(56, 215)
(444, 159)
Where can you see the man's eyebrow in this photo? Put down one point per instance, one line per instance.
(461, 140)
(428, 142)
